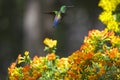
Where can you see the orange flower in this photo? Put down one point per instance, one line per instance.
(102, 71)
(11, 67)
(112, 53)
(36, 74)
(75, 67)
(26, 68)
(30, 78)
(110, 33)
(51, 56)
(77, 61)
(87, 47)
(36, 60)
(71, 73)
(25, 71)
(88, 56)
(92, 77)
(93, 32)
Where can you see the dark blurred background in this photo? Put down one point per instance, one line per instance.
(23, 26)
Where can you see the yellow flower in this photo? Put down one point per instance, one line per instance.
(113, 25)
(26, 53)
(20, 59)
(109, 5)
(13, 72)
(63, 64)
(108, 16)
(115, 40)
(50, 43)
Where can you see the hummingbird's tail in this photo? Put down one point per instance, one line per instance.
(55, 23)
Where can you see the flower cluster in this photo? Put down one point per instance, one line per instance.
(111, 14)
(97, 59)
(50, 67)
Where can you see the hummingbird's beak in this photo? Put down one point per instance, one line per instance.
(70, 6)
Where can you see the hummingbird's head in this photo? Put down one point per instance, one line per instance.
(63, 8)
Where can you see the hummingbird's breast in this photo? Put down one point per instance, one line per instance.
(57, 19)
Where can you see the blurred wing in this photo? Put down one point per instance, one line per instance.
(51, 12)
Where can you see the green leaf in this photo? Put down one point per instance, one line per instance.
(46, 48)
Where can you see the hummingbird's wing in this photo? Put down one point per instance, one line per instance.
(51, 12)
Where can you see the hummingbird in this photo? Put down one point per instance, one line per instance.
(59, 14)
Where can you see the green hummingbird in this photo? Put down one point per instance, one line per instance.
(59, 14)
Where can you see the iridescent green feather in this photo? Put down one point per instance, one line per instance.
(63, 9)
